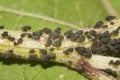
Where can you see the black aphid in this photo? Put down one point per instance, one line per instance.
(25, 28)
(47, 57)
(104, 26)
(68, 34)
(109, 18)
(58, 30)
(81, 38)
(32, 51)
(73, 38)
(10, 38)
(93, 49)
(1, 27)
(67, 51)
(112, 23)
(98, 24)
(1, 54)
(48, 43)
(51, 56)
(118, 40)
(115, 32)
(118, 28)
(51, 49)
(105, 40)
(23, 34)
(57, 43)
(43, 51)
(61, 37)
(110, 72)
(53, 35)
(15, 44)
(20, 40)
(113, 42)
(29, 35)
(88, 53)
(92, 32)
(106, 34)
(32, 56)
(36, 35)
(5, 34)
(117, 62)
(110, 47)
(10, 52)
(86, 33)
(79, 32)
(47, 30)
(110, 62)
(80, 50)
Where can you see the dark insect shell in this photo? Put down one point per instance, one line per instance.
(98, 24)
(114, 32)
(69, 33)
(111, 62)
(10, 52)
(23, 34)
(57, 43)
(109, 18)
(111, 72)
(81, 38)
(25, 28)
(1, 27)
(47, 30)
(112, 23)
(5, 34)
(47, 57)
(10, 38)
(117, 62)
(67, 51)
(44, 51)
(29, 35)
(32, 51)
(20, 40)
(32, 56)
(48, 43)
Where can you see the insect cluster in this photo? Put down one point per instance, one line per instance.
(69, 47)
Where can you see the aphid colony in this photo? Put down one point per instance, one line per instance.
(101, 42)
(55, 45)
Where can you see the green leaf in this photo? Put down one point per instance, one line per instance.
(68, 14)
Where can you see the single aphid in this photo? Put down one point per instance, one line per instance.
(29, 35)
(98, 24)
(10, 52)
(81, 38)
(1, 27)
(20, 40)
(112, 23)
(25, 28)
(68, 33)
(23, 34)
(47, 30)
(32, 51)
(10, 38)
(5, 34)
(47, 57)
(67, 51)
(44, 51)
(109, 18)
(32, 56)
(57, 43)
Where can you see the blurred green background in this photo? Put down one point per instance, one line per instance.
(81, 13)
